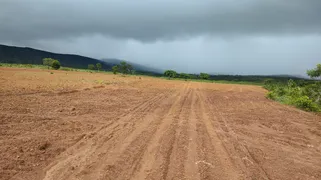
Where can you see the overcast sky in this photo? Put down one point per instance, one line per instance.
(214, 36)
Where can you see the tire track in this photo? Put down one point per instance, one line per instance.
(241, 156)
(191, 163)
(74, 159)
(156, 159)
(179, 153)
(127, 157)
(216, 162)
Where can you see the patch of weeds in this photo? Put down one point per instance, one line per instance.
(306, 103)
(271, 95)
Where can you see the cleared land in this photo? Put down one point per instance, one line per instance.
(80, 125)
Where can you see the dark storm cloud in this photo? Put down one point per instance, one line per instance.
(145, 20)
(215, 36)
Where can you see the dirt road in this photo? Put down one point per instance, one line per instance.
(153, 129)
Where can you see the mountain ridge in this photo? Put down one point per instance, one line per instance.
(28, 55)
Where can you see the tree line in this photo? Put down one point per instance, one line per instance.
(173, 74)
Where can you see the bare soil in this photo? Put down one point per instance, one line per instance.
(80, 125)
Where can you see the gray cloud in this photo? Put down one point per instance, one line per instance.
(159, 19)
(216, 36)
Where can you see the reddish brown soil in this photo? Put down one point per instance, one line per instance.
(79, 125)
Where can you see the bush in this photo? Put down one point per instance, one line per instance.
(91, 67)
(313, 91)
(115, 69)
(306, 97)
(184, 76)
(55, 64)
(280, 91)
(170, 74)
(204, 76)
(47, 62)
(271, 95)
(306, 103)
(99, 66)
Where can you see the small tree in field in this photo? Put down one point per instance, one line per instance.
(130, 68)
(99, 66)
(115, 69)
(91, 67)
(124, 68)
(47, 62)
(55, 64)
(170, 74)
(316, 72)
(204, 76)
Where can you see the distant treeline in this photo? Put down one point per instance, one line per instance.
(235, 78)
(18, 55)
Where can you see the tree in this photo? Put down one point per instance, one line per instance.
(204, 76)
(125, 68)
(170, 74)
(184, 76)
(47, 62)
(130, 68)
(55, 64)
(316, 72)
(314, 90)
(91, 67)
(99, 66)
(115, 69)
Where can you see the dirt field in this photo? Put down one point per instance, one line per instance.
(79, 125)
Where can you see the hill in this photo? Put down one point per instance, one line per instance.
(26, 55)
(138, 67)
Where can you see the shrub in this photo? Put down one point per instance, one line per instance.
(204, 76)
(184, 76)
(55, 64)
(306, 103)
(91, 67)
(280, 91)
(313, 91)
(99, 66)
(291, 84)
(307, 96)
(170, 74)
(47, 62)
(125, 68)
(271, 95)
(115, 69)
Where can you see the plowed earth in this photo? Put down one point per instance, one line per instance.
(79, 125)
